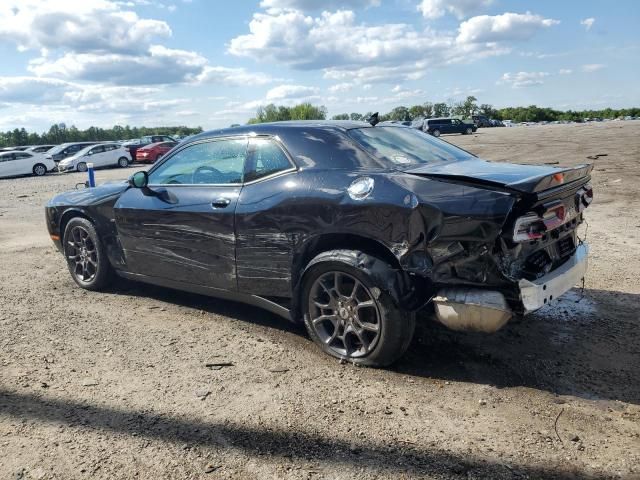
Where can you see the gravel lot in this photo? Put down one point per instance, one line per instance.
(115, 385)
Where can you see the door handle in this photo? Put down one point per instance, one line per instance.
(220, 202)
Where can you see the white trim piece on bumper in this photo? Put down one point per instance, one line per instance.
(538, 293)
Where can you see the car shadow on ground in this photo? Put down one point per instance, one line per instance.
(287, 445)
(215, 306)
(583, 345)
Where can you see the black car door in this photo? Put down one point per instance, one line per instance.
(182, 226)
(264, 250)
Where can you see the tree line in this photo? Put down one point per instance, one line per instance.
(463, 109)
(59, 133)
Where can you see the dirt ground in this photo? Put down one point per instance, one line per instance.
(114, 385)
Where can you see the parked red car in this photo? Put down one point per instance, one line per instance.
(153, 152)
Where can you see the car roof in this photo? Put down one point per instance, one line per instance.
(14, 151)
(274, 128)
(66, 144)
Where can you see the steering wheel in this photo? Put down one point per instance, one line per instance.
(204, 169)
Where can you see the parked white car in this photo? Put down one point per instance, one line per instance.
(101, 155)
(14, 163)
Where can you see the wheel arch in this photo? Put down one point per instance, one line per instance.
(70, 214)
(364, 253)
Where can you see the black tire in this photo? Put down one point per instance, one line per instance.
(395, 326)
(82, 167)
(39, 170)
(89, 268)
(468, 131)
(123, 162)
(436, 133)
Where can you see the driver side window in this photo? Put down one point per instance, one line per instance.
(217, 162)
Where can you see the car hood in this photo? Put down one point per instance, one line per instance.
(504, 176)
(89, 196)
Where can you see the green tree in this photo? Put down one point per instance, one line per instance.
(399, 113)
(440, 110)
(341, 116)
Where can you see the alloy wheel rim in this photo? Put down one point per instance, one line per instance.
(40, 170)
(82, 254)
(344, 314)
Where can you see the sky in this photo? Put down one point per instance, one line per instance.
(213, 63)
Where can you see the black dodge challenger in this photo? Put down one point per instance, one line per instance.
(348, 227)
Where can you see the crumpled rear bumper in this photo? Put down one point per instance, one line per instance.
(536, 294)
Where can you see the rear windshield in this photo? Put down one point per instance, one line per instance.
(406, 147)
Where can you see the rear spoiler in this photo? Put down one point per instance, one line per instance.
(562, 177)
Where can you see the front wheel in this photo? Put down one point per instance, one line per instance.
(81, 167)
(352, 318)
(39, 170)
(123, 162)
(436, 133)
(86, 257)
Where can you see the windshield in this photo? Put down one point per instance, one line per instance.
(406, 147)
(58, 149)
(83, 151)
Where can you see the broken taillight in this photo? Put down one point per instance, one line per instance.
(528, 227)
(533, 226)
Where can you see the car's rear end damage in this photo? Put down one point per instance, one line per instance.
(516, 256)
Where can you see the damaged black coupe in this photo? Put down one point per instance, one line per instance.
(348, 227)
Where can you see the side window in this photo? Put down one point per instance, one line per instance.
(108, 148)
(217, 162)
(22, 155)
(265, 158)
(98, 149)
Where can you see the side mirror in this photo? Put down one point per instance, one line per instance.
(89, 154)
(139, 180)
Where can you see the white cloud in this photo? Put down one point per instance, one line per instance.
(284, 92)
(565, 71)
(80, 26)
(38, 91)
(523, 79)
(232, 76)
(341, 87)
(507, 27)
(588, 23)
(592, 67)
(309, 5)
(432, 9)
(160, 66)
(349, 51)
(31, 90)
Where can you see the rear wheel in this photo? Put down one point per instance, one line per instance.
(436, 133)
(468, 131)
(123, 162)
(351, 318)
(81, 167)
(86, 258)
(39, 169)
